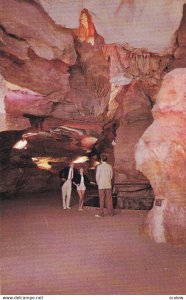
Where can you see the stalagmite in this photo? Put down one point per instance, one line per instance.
(161, 156)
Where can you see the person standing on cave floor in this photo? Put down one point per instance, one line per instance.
(81, 182)
(67, 175)
(104, 175)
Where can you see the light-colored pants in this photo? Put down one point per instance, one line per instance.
(66, 193)
(105, 194)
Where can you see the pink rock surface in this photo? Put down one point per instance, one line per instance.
(19, 102)
(16, 47)
(35, 52)
(37, 74)
(31, 24)
(3, 91)
(161, 156)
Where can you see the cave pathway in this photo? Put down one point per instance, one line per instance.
(46, 250)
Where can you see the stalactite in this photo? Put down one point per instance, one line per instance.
(138, 63)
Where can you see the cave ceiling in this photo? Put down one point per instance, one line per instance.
(123, 21)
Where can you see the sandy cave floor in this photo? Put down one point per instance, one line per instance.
(46, 250)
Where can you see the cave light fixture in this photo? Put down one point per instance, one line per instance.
(20, 145)
(44, 163)
(80, 159)
(113, 143)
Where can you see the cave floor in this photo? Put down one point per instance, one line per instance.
(46, 250)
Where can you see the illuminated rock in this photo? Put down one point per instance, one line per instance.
(161, 156)
(86, 29)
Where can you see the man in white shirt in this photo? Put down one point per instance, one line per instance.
(104, 174)
(67, 175)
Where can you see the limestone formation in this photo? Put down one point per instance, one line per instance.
(161, 156)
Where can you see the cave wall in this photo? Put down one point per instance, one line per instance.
(135, 116)
(180, 51)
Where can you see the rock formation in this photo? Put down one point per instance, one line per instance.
(161, 156)
(133, 188)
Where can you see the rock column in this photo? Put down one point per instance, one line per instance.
(161, 156)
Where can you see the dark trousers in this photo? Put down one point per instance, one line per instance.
(105, 194)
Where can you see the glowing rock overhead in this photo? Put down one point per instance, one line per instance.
(80, 159)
